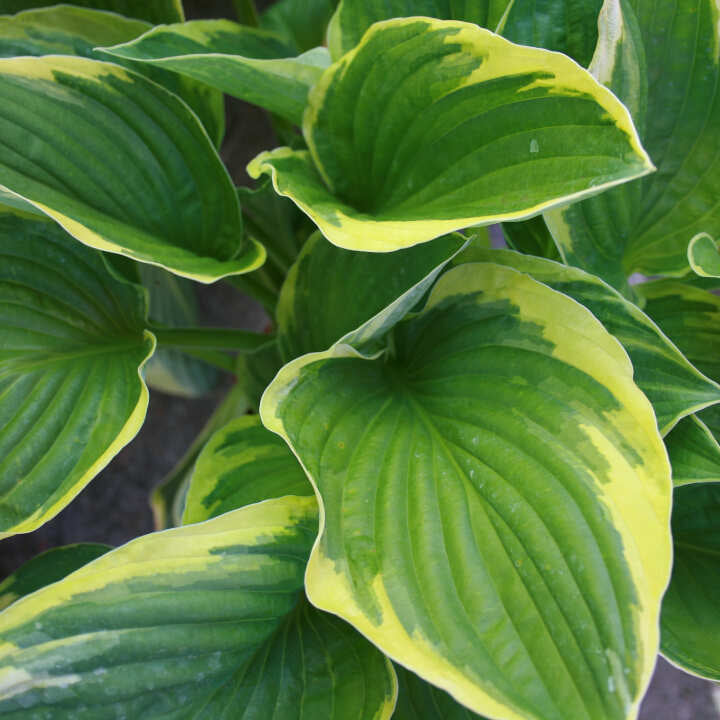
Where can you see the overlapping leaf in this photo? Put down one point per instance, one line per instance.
(703, 256)
(243, 463)
(690, 623)
(694, 452)
(157, 11)
(72, 343)
(301, 23)
(69, 30)
(330, 291)
(429, 126)
(495, 498)
(47, 568)
(646, 227)
(121, 164)
(674, 386)
(254, 65)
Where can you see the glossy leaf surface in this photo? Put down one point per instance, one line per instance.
(242, 463)
(429, 126)
(495, 498)
(330, 291)
(674, 386)
(694, 452)
(122, 164)
(253, 65)
(690, 624)
(157, 11)
(47, 568)
(72, 345)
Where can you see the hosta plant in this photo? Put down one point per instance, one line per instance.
(472, 470)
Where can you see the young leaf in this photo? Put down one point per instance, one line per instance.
(68, 30)
(353, 17)
(202, 620)
(674, 387)
(690, 317)
(157, 11)
(495, 498)
(703, 256)
(72, 345)
(694, 452)
(429, 126)
(567, 26)
(173, 304)
(47, 568)
(243, 463)
(121, 164)
(419, 700)
(690, 625)
(330, 291)
(251, 64)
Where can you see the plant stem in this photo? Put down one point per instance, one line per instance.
(246, 12)
(210, 338)
(212, 357)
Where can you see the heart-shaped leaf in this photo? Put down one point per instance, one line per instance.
(429, 126)
(72, 345)
(122, 164)
(690, 625)
(496, 498)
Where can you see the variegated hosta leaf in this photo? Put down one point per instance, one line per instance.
(121, 164)
(301, 23)
(353, 17)
(674, 387)
(243, 463)
(690, 625)
(694, 452)
(568, 26)
(419, 700)
(495, 495)
(47, 568)
(157, 11)
(330, 291)
(429, 126)
(690, 317)
(69, 30)
(648, 229)
(173, 304)
(72, 344)
(251, 64)
(703, 256)
(168, 498)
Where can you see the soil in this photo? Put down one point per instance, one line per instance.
(114, 507)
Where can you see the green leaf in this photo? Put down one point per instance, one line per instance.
(122, 164)
(330, 291)
(173, 304)
(251, 64)
(68, 30)
(646, 227)
(694, 452)
(354, 17)
(495, 498)
(168, 498)
(690, 624)
(72, 345)
(531, 237)
(419, 700)
(703, 256)
(157, 11)
(690, 317)
(674, 386)
(243, 463)
(113, 638)
(301, 23)
(255, 370)
(47, 568)
(567, 26)
(390, 124)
